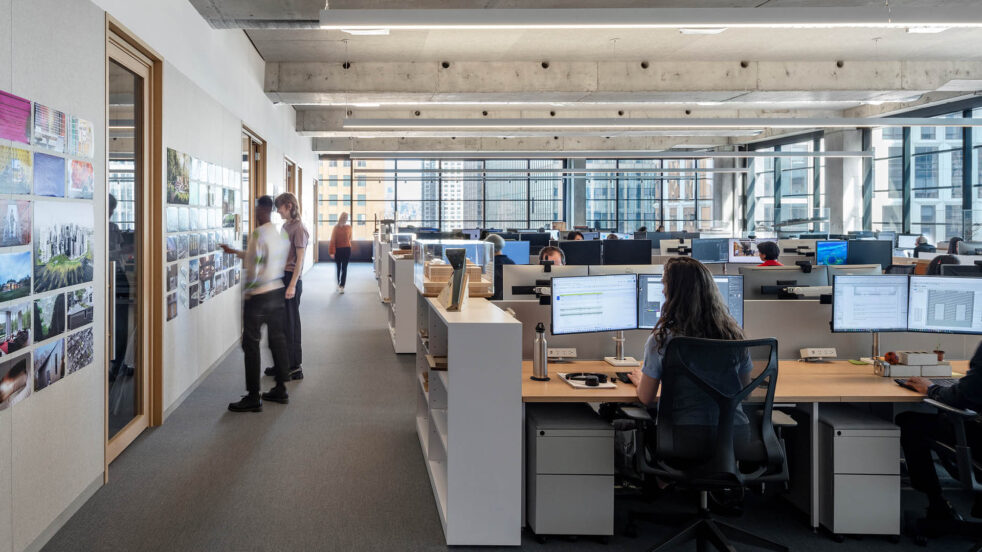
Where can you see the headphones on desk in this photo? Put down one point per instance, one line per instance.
(590, 379)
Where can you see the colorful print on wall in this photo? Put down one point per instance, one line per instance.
(62, 245)
(49, 317)
(81, 138)
(171, 248)
(81, 307)
(49, 175)
(16, 170)
(50, 128)
(15, 223)
(171, 277)
(171, 306)
(16, 380)
(193, 295)
(81, 180)
(15, 118)
(178, 179)
(15, 276)
(49, 364)
(15, 327)
(81, 346)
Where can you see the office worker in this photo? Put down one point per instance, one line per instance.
(661, 228)
(769, 252)
(693, 307)
(918, 430)
(554, 254)
(643, 229)
(612, 237)
(953, 245)
(923, 247)
(264, 303)
(340, 249)
(934, 267)
(500, 259)
(574, 235)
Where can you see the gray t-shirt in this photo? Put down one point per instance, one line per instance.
(299, 237)
(692, 406)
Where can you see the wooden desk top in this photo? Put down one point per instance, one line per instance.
(836, 381)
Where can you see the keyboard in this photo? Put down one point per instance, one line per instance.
(943, 382)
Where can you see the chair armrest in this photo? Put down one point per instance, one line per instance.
(963, 412)
(635, 413)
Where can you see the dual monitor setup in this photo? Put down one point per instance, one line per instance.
(617, 302)
(900, 303)
(728, 250)
(853, 252)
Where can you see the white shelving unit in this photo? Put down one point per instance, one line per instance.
(470, 433)
(402, 303)
(380, 259)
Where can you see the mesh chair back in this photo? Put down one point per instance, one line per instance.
(714, 415)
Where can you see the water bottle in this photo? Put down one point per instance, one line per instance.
(540, 355)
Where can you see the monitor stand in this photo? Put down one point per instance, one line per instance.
(619, 360)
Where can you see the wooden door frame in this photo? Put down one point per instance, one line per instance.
(291, 181)
(125, 49)
(257, 178)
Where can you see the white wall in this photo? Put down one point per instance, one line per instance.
(51, 444)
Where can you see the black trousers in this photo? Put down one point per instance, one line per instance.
(292, 322)
(341, 257)
(918, 431)
(264, 308)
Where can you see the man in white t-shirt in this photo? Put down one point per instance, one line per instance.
(263, 303)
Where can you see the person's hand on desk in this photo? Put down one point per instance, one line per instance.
(635, 376)
(918, 384)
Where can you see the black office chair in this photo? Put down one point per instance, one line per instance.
(956, 460)
(899, 269)
(699, 372)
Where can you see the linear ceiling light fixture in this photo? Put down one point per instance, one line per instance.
(702, 31)
(650, 18)
(366, 32)
(687, 123)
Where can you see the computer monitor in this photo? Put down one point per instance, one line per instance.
(969, 248)
(591, 235)
(651, 296)
(906, 241)
(761, 282)
(864, 252)
(869, 303)
(640, 235)
(517, 251)
(714, 250)
(972, 270)
(626, 252)
(472, 233)
(744, 250)
(536, 239)
(626, 269)
(519, 282)
(589, 304)
(860, 234)
(887, 235)
(515, 236)
(853, 270)
(813, 236)
(583, 252)
(945, 305)
(831, 252)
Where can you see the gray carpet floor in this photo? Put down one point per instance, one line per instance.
(339, 468)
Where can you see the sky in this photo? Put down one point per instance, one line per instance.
(15, 266)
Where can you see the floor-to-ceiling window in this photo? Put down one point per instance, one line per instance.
(786, 192)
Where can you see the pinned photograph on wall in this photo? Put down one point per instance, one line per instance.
(194, 195)
(62, 245)
(15, 224)
(171, 248)
(214, 174)
(171, 277)
(207, 268)
(49, 364)
(183, 219)
(206, 291)
(193, 270)
(81, 138)
(221, 282)
(172, 222)
(15, 118)
(50, 126)
(212, 241)
(81, 307)
(228, 221)
(214, 196)
(193, 295)
(80, 350)
(182, 283)
(214, 218)
(202, 219)
(49, 317)
(49, 175)
(237, 276)
(178, 180)
(228, 201)
(219, 260)
(182, 246)
(16, 170)
(81, 180)
(15, 276)
(171, 306)
(15, 380)
(15, 327)
(193, 219)
(193, 242)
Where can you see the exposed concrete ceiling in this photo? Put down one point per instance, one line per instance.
(330, 75)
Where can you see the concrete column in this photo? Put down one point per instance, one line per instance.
(577, 195)
(844, 181)
(726, 196)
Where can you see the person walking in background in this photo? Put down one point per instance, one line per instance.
(264, 303)
(288, 207)
(340, 249)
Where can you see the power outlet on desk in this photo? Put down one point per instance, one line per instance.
(561, 353)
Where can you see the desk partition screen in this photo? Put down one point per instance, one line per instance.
(869, 303)
(945, 305)
(590, 304)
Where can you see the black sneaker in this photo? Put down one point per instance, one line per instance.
(295, 373)
(249, 403)
(277, 394)
(271, 371)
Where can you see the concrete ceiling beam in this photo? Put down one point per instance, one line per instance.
(531, 144)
